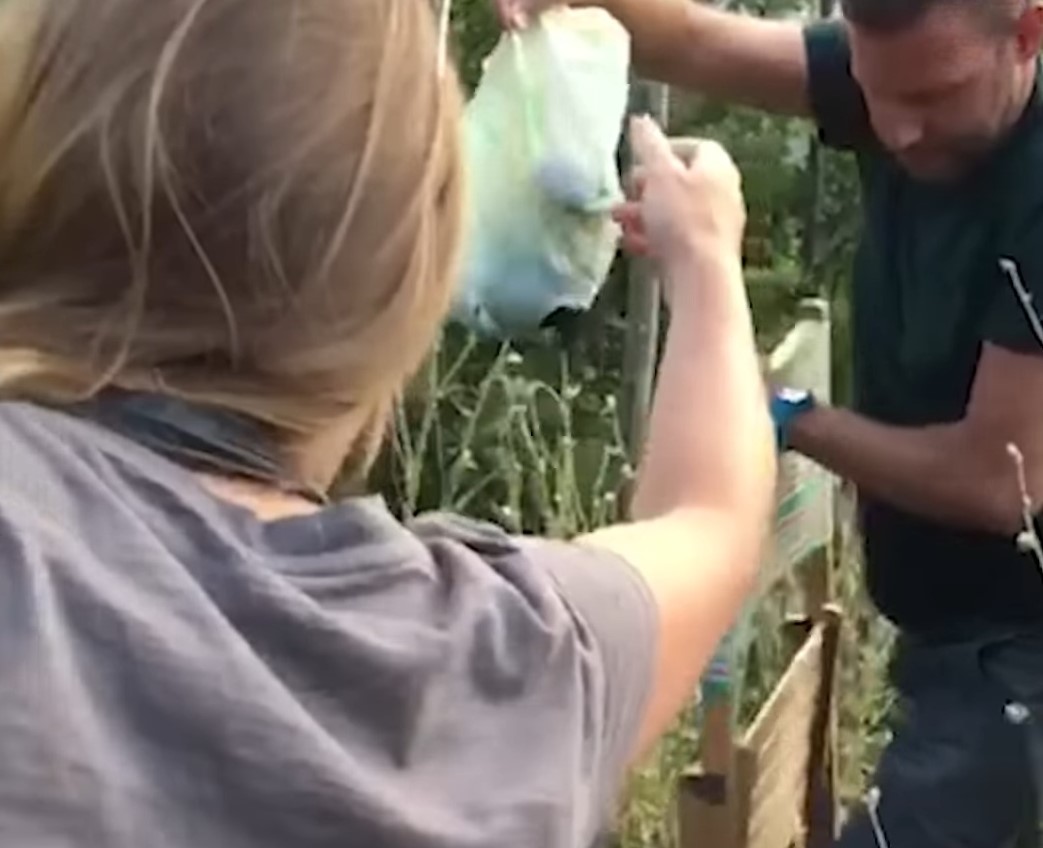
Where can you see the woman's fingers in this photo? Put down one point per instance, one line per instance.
(628, 216)
(650, 147)
(634, 244)
(634, 183)
(511, 13)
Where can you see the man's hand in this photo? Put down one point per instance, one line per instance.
(741, 58)
(516, 14)
(956, 473)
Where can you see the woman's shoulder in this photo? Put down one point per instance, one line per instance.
(36, 435)
(44, 451)
(554, 575)
(412, 639)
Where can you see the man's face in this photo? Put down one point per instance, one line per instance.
(943, 90)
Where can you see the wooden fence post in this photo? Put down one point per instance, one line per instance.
(811, 247)
(643, 303)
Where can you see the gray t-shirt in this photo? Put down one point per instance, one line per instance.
(175, 672)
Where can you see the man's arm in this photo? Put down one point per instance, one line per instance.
(785, 67)
(959, 473)
(724, 55)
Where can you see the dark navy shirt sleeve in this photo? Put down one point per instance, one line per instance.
(837, 103)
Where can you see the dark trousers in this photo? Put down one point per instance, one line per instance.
(964, 768)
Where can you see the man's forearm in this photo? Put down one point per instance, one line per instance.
(724, 55)
(937, 472)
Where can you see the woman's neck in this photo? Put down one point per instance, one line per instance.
(265, 502)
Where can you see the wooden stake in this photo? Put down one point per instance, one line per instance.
(643, 304)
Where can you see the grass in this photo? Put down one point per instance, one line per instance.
(481, 435)
(532, 440)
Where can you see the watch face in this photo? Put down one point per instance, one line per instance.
(793, 395)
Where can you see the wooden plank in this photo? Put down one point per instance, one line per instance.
(745, 781)
(803, 670)
(716, 746)
(706, 815)
(778, 750)
(706, 811)
(822, 812)
(816, 578)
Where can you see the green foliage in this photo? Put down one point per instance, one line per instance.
(531, 442)
(475, 31)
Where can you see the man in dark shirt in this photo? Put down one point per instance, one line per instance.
(939, 102)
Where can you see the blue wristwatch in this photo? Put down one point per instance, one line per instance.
(786, 406)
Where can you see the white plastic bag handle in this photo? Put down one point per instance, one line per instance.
(524, 77)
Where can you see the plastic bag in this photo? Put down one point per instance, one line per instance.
(542, 133)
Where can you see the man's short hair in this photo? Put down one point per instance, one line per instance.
(894, 15)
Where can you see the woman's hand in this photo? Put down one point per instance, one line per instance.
(684, 201)
(703, 501)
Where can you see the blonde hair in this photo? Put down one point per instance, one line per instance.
(254, 205)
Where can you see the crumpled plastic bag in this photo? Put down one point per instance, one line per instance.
(542, 133)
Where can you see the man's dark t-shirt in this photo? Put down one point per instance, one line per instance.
(928, 291)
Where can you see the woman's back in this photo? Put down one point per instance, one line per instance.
(178, 673)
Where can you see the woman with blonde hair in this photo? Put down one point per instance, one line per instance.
(228, 232)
